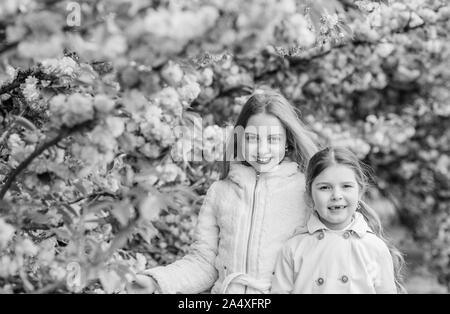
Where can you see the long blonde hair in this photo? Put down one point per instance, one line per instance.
(300, 143)
(341, 156)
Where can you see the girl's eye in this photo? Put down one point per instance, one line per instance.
(324, 188)
(251, 137)
(348, 186)
(274, 139)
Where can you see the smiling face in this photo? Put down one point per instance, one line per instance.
(335, 193)
(265, 141)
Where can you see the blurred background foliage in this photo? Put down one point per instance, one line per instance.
(94, 185)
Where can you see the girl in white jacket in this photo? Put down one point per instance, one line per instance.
(251, 212)
(341, 249)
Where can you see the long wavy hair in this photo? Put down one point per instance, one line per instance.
(300, 141)
(341, 156)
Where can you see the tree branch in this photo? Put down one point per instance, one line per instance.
(318, 52)
(10, 127)
(91, 197)
(21, 77)
(50, 288)
(64, 132)
(311, 54)
(43, 227)
(119, 240)
(9, 46)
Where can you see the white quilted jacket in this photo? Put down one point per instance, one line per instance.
(243, 224)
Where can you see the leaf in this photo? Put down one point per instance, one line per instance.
(110, 166)
(315, 15)
(136, 6)
(99, 205)
(193, 119)
(91, 221)
(5, 206)
(87, 74)
(180, 194)
(329, 6)
(186, 191)
(80, 188)
(95, 248)
(120, 240)
(67, 218)
(71, 210)
(141, 262)
(27, 124)
(62, 234)
(150, 206)
(147, 231)
(102, 67)
(39, 218)
(122, 212)
(347, 30)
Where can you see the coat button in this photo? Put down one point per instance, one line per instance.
(321, 235)
(346, 235)
(344, 279)
(320, 281)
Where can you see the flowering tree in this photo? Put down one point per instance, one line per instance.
(95, 185)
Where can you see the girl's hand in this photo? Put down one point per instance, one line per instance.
(143, 284)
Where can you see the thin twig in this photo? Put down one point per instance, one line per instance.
(9, 87)
(27, 285)
(10, 127)
(313, 53)
(50, 288)
(91, 196)
(21, 77)
(64, 132)
(319, 52)
(118, 240)
(9, 46)
(36, 227)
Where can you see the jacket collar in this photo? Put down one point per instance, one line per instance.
(242, 174)
(359, 225)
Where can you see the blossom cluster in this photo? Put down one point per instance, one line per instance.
(334, 134)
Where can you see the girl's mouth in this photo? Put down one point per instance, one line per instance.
(338, 207)
(263, 161)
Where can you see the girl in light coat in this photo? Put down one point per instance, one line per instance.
(248, 215)
(341, 249)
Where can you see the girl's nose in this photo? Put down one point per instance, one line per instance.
(336, 194)
(262, 147)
